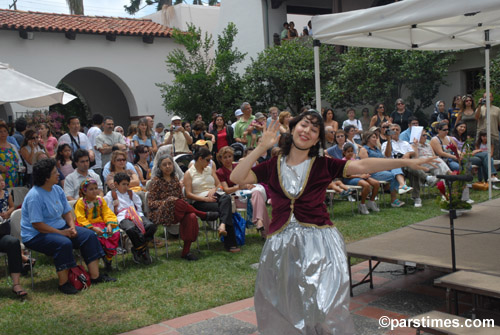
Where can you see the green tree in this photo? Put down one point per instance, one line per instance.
(369, 76)
(283, 75)
(135, 5)
(75, 6)
(203, 84)
(494, 74)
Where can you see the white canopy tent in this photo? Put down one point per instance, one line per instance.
(415, 25)
(27, 91)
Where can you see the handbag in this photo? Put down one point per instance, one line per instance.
(239, 224)
(79, 278)
(480, 186)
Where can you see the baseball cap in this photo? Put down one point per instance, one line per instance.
(175, 118)
(238, 112)
(259, 115)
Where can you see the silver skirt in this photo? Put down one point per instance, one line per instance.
(302, 285)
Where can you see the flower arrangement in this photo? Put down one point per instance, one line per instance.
(458, 187)
(37, 117)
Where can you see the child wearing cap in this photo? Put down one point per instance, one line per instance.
(256, 127)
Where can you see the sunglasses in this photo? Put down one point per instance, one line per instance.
(445, 129)
(120, 159)
(208, 160)
(400, 103)
(144, 152)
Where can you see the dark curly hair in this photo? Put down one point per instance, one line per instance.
(42, 170)
(316, 119)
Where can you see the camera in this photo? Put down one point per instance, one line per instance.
(398, 155)
(175, 128)
(482, 101)
(390, 132)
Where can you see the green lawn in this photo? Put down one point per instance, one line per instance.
(171, 287)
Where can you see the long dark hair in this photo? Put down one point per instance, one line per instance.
(59, 154)
(137, 151)
(478, 140)
(462, 137)
(316, 119)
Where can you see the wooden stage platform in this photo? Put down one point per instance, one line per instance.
(427, 243)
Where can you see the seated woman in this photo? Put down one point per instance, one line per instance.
(481, 159)
(336, 150)
(424, 149)
(260, 215)
(141, 164)
(365, 181)
(201, 185)
(9, 244)
(47, 226)
(439, 144)
(168, 206)
(395, 177)
(118, 164)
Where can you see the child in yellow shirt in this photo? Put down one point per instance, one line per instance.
(93, 213)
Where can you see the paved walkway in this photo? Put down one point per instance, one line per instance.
(395, 295)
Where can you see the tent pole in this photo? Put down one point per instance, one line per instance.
(488, 103)
(316, 45)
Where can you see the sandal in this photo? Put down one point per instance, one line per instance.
(222, 230)
(261, 231)
(26, 266)
(19, 293)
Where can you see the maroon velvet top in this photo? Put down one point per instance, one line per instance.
(223, 174)
(309, 206)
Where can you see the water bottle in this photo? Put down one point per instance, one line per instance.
(22, 171)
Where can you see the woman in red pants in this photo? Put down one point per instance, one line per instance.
(168, 206)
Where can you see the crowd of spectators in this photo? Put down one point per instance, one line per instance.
(108, 167)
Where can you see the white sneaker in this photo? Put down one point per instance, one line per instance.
(372, 205)
(351, 198)
(495, 187)
(494, 179)
(431, 180)
(362, 209)
(470, 201)
(405, 188)
(418, 202)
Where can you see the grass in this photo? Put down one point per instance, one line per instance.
(172, 287)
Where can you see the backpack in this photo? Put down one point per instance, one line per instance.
(79, 278)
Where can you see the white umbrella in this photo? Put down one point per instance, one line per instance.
(27, 91)
(415, 25)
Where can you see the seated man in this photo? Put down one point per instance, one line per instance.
(74, 179)
(396, 148)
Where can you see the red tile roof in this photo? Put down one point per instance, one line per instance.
(51, 22)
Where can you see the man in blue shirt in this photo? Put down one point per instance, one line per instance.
(405, 135)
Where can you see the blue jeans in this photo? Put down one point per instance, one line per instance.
(453, 164)
(389, 176)
(60, 247)
(481, 160)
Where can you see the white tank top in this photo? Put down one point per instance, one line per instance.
(201, 182)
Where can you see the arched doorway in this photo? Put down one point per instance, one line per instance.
(104, 93)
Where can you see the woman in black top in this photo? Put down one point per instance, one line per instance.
(141, 164)
(401, 114)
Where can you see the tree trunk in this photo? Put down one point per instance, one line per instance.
(75, 7)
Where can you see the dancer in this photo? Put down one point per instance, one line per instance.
(302, 286)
